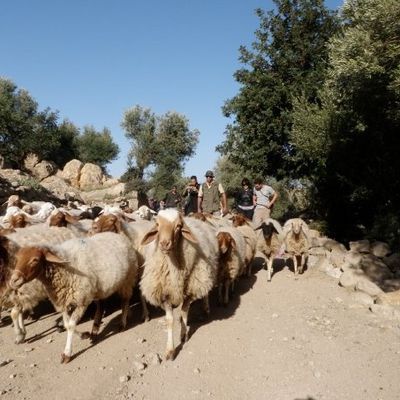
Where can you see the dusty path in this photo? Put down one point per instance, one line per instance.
(287, 339)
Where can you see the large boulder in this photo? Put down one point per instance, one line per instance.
(366, 286)
(72, 172)
(91, 177)
(392, 298)
(353, 258)
(350, 278)
(393, 262)
(104, 195)
(380, 249)
(58, 187)
(375, 268)
(361, 246)
(44, 169)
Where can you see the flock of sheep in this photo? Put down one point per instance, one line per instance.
(78, 256)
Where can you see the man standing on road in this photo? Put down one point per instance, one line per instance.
(211, 195)
(264, 198)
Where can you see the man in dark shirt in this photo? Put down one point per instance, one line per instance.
(173, 198)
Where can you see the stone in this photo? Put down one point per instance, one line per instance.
(350, 278)
(139, 366)
(392, 262)
(366, 286)
(391, 285)
(331, 244)
(361, 246)
(5, 362)
(385, 311)
(380, 249)
(91, 177)
(375, 268)
(334, 272)
(362, 298)
(337, 256)
(72, 172)
(196, 370)
(317, 251)
(391, 298)
(124, 378)
(30, 161)
(60, 188)
(155, 359)
(44, 169)
(103, 194)
(353, 258)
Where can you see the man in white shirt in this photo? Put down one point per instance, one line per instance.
(264, 198)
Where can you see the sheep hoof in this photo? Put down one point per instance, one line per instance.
(20, 339)
(170, 355)
(145, 318)
(122, 328)
(65, 359)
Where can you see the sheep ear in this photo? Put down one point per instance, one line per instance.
(51, 257)
(187, 234)
(233, 242)
(258, 228)
(150, 236)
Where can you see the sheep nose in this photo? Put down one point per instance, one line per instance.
(166, 245)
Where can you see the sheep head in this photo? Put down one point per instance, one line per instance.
(239, 220)
(225, 242)
(296, 227)
(106, 223)
(61, 219)
(29, 262)
(169, 228)
(267, 229)
(18, 221)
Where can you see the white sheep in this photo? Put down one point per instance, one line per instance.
(144, 212)
(297, 243)
(181, 262)
(134, 231)
(246, 229)
(77, 272)
(26, 298)
(232, 247)
(269, 242)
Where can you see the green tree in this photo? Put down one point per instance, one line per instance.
(160, 147)
(23, 128)
(352, 136)
(288, 58)
(96, 147)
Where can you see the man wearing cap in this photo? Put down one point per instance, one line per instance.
(211, 194)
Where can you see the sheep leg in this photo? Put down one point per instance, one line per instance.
(70, 322)
(96, 320)
(145, 310)
(249, 269)
(302, 261)
(184, 319)
(220, 294)
(206, 305)
(226, 298)
(270, 261)
(19, 329)
(169, 317)
(295, 264)
(125, 310)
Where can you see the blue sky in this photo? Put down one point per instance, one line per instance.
(93, 59)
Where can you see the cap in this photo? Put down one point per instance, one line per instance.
(210, 174)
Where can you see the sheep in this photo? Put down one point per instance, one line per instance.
(33, 293)
(232, 247)
(245, 227)
(181, 261)
(134, 231)
(61, 218)
(270, 242)
(297, 243)
(77, 272)
(144, 212)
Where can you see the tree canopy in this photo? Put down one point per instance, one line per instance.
(288, 57)
(160, 147)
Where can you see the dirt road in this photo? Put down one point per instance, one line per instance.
(288, 339)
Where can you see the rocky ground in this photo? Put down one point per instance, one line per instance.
(292, 338)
